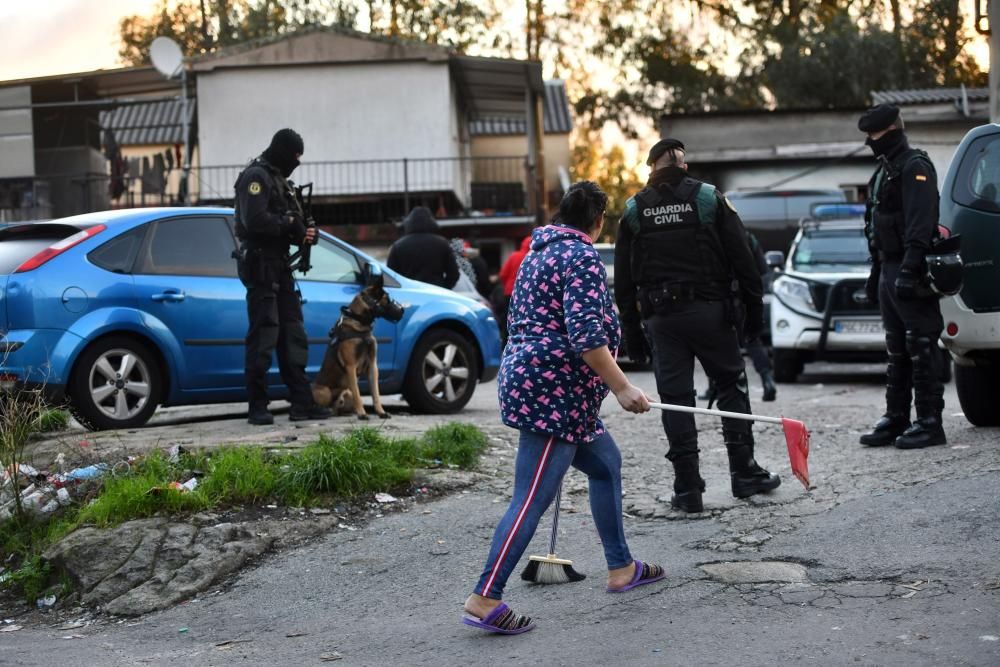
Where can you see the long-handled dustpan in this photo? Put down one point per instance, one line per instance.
(796, 434)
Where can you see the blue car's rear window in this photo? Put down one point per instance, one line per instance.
(19, 244)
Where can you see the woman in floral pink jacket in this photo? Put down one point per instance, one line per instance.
(557, 368)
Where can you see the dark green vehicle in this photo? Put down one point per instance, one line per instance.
(970, 206)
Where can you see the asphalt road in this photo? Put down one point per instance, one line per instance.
(893, 558)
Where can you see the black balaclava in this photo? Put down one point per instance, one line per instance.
(885, 144)
(285, 146)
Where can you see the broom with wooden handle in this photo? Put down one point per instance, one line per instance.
(550, 569)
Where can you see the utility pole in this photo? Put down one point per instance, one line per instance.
(988, 13)
(993, 9)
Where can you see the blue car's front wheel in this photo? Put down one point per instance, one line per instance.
(116, 384)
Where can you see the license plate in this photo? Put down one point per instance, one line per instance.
(858, 326)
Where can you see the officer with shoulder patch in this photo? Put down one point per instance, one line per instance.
(901, 223)
(269, 218)
(684, 270)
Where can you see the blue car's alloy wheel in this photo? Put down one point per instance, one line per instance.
(116, 384)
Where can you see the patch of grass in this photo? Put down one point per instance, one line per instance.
(141, 493)
(32, 578)
(362, 462)
(453, 444)
(239, 475)
(53, 420)
(26, 539)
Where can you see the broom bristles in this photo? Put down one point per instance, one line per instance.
(551, 570)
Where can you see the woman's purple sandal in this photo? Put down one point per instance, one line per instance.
(501, 620)
(644, 574)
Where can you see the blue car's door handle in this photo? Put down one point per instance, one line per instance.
(168, 296)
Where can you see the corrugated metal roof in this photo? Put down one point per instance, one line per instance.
(929, 95)
(151, 123)
(557, 117)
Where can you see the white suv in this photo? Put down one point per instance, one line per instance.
(819, 311)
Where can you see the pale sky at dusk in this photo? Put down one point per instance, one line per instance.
(47, 37)
(43, 37)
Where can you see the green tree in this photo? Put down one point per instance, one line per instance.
(204, 26)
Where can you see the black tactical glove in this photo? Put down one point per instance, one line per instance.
(871, 284)
(906, 284)
(295, 229)
(753, 326)
(636, 345)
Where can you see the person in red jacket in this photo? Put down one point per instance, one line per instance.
(508, 272)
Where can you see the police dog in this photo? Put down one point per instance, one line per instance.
(353, 350)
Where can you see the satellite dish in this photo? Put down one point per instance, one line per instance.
(166, 56)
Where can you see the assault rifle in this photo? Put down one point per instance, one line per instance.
(302, 204)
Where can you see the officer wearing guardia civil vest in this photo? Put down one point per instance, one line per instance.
(902, 223)
(684, 271)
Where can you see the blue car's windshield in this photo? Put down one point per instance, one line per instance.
(831, 250)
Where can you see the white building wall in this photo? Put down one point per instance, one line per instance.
(379, 112)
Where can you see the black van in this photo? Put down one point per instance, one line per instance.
(773, 216)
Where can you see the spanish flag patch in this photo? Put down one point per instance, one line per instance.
(920, 177)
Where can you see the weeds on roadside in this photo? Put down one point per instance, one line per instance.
(362, 462)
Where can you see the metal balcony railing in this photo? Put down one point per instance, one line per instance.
(345, 191)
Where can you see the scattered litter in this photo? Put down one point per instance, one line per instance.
(271, 507)
(46, 602)
(330, 657)
(182, 630)
(427, 512)
(984, 638)
(959, 447)
(319, 510)
(230, 642)
(296, 634)
(10, 628)
(72, 626)
(908, 595)
(344, 526)
(174, 453)
(191, 484)
(90, 472)
(385, 498)
(915, 586)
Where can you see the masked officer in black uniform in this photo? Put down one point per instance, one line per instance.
(683, 267)
(268, 219)
(901, 223)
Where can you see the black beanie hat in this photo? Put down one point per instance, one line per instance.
(661, 147)
(285, 145)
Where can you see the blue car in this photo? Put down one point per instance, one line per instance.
(117, 312)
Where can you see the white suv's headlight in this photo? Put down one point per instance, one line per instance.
(795, 293)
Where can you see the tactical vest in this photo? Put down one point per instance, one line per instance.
(281, 200)
(885, 224)
(676, 242)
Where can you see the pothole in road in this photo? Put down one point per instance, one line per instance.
(756, 572)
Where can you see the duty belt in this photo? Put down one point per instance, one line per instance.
(672, 291)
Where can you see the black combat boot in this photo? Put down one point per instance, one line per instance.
(299, 413)
(886, 430)
(259, 416)
(688, 485)
(747, 477)
(928, 396)
(897, 394)
(770, 390)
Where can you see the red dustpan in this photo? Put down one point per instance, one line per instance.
(796, 434)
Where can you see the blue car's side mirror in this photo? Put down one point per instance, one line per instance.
(373, 275)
